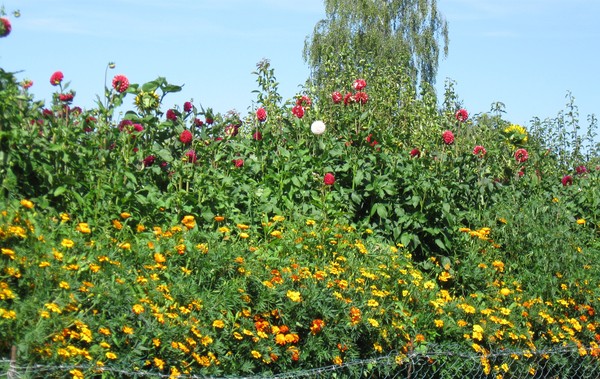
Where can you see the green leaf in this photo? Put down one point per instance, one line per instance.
(59, 191)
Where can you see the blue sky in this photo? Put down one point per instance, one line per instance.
(524, 53)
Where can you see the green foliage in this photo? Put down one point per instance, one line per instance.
(177, 240)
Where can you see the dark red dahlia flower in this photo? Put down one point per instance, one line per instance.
(120, 83)
(56, 78)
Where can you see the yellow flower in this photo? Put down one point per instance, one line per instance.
(244, 235)
(125, 246)
(439, 323)
(223, 229)
(256, 354)
(8, 252)
(117, 224)
(276, 233)
(27, 204)
(64, 285)
(138, 308)
(104, 331)
(310, 222)
(477, 332)
(337, 360)
(189, 221)
(516, 134)
(581, 221)
(219, 324)
(505, 292)
(374, 323)
(294, 296)
(278, 218)
(83, 227)
(140, 228)
(67, 243)
(127, 330)
(159, 363)
(53, 307)
(219, 218)
(159, 258)
(125, 215)
(445, 276)
(76, 374)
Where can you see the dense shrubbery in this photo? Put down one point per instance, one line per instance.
(346, 223)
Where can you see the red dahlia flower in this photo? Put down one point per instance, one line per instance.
(5, 27)
(448, 137)
(198, 123)
(187, 107)
(257, 136)
(329, 179)
(361, 97)
(461, 115)
(56, 78)
(149, 160)
(521, 155)
(27, 83)
(171, 115)
(304, 101)
(567, 180)
(238, 162)
(580, 170)
(298, 111)
(348, 98)
(66, 97)
(336, 97)
(415, 153)
(191, 156)
(185, 137)
(359, 84)
(479, 151)
(120, 83)
(261, 114)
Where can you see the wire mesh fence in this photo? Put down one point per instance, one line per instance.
(556, 363)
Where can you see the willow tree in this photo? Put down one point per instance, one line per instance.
(355, 34)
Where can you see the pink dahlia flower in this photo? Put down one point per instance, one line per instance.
(448, 137)
(521, 155)
(120, 83)
(359, 84)
(461, 115)
(261, 114)
(56, 78)
(329, 179)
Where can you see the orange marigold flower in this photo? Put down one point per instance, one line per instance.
(189, 221)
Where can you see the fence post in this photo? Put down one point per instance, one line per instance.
(12, 368)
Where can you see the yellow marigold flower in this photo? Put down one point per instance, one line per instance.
(310, 222)
(255, 354)
(244, 235)
(159, 258)
(373, 303)
(337, 360)
(429, 285)
(294, 296)
(27, 204)
(159, 363)
(53, 307)
(140, 228)
(156, 342)
(67, 243)
(276, 233)
(505, 292)
(238, 336)
(280, 339)
(83, 227)
(223, 229)
(278, 218)
(104, 345)
(8, 252)
(374, 323)
(439, 323)
(104, 331)
(44, 314)
(498, 265)
(138, 309)
(127, 330)
(76, 374)
(117, 224)
(125, 246)
(189, 222)
(477, 332)
(64, 285)
(219, 324)
(243, 226)
(581, 221)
